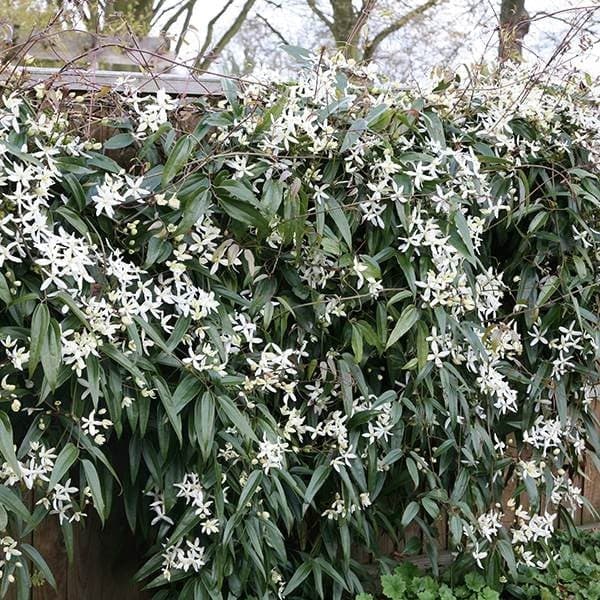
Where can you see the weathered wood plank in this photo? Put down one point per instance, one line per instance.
(106, 562)
(48, 540)
(85, 47)
(180, 84)
(591, 483)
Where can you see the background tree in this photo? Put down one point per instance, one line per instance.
(406, 38)
(514, 26)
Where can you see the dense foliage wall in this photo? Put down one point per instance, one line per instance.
(334, 309)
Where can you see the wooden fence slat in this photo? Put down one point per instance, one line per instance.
(81, 80)
(591, 483)
(64, 47)
(48, 540)
(107, 559)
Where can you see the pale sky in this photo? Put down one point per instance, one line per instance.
(457, 32)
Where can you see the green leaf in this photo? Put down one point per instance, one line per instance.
(120, 140)
(189, 387)
(74, 219)
(194, 210)
(5, 294)
(91, 476)
(102, 162)
(238, 190)
(272, 196)
(204, 421)
(70, 303)
(74, 189)
(67, 456)
(39, 329)
(410, 315)
(250, 487)
(302, 572)
(507, 552)
(243, 212)
(94, 375)
(411, 465)
(178, 158)
(6, 443)
(169, 406)
(431, 507)
(319, 477)
(153, 334)
(67, 531)
(357, 342)
(435, 128)
(337, 214)
(40, 564)
(551, 285)
(51, 353)
(11, 501)
(236, 417)
(410, 512)
(463, 231)
(111, 352)
(353, 134)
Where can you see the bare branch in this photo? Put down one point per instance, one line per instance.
(313, 6)
(371, 47)
(275, 31)
(189, 5)
(186, 23)
(205, 62)
(211, 26)
(365, 13)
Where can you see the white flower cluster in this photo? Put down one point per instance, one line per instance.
(185, 555)
(9, 552)
(340, 509)
(271, 455)
(372, 316)
(36, 467)
(531, 528)
(192, 491)
(550, 436)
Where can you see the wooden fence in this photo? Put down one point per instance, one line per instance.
(106, 558)
(78, 60)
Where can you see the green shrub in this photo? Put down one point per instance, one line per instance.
(329, 310)
(406, 583)
(574, 573)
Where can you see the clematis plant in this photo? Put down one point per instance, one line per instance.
(330, 310)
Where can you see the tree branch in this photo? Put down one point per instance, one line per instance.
(210, 28)
(365, 13)
(371, 47)
(204, 63)
(514, 25)
(313, 6)
(275, 31)
(180, 9)
(186, 24)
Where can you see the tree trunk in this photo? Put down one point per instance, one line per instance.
(138, 13)
(514, 25)
(204, 61)
(344, 20)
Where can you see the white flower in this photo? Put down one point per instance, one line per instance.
(191, 489)
(210, 526)
(108, 195)
(537, 336)
(272, 454)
